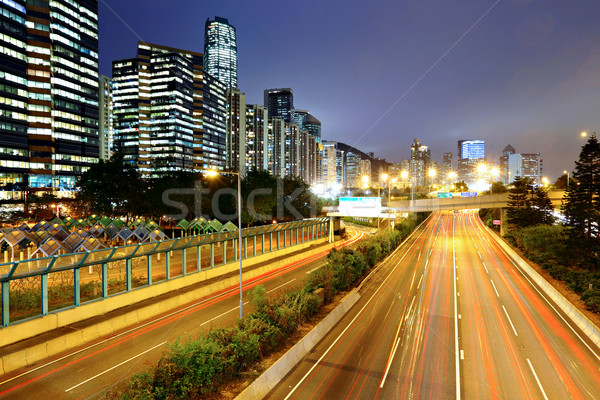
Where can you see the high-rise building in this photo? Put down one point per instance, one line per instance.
(299, 117)
(280, 103)
(168, 115)
(49, 95)
(236, 130)
(220, 51)
(525, 166)
(312, 125)
(292, 149)
(353, 170)
(307, 157)
(447, 163)
(276, 147)
(105, 117)
(508, 150)
(420, 159)
(257, 138)
(471, 152)
(332, 165)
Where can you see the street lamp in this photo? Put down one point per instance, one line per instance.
(212, 174)
(384, 177)
(567, 172)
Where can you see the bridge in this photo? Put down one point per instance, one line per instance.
(438, 204)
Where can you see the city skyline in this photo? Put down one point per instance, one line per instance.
(523, 70)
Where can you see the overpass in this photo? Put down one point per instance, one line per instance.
(454, 203)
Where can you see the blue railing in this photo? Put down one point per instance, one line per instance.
(35, 287)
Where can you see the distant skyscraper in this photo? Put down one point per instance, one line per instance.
(353, 170)
(447, 163)
(508, 150)
(525, 166)
(470, 153)
(299, 117)
(313, 126)
(420, 158)
(48, 95)
(276, 147)
(220, 51)
(105, 117)
(280, 103)
(332, 165)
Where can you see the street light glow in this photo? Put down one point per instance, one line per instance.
(481, 168)
(432, 172)
(211, 173)
(404, 174)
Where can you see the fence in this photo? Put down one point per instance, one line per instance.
(35, 287)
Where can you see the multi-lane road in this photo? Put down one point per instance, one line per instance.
(87, 372)
(449, 315)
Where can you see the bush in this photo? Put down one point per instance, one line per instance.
(199, 367)
(591, 298)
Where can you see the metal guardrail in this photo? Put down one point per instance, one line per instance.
(143, 253)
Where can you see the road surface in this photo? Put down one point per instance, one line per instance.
(449, 315)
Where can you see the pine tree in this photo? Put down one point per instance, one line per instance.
(519, 203)
(542, 207)
(581, 204)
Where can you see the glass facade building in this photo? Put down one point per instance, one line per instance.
(49, 94)
(168, 115)
(280, 103)
(220, 51)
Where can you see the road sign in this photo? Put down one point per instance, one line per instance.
(446, 195)
(497, 222)
(360, 206)
(468, 194)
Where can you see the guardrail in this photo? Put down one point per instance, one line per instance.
(35, 287)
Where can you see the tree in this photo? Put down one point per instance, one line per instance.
(542, 208)
(460, 186)
(519, 203)
(498, 187)
(259, 191)
(111, 188)
(561, 182)
(581, 203)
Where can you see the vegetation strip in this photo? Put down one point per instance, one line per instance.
(199, 368)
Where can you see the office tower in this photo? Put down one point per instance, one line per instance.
(332, 165)
(276, 147)
(365, 170)
(236, 130)
(49, 95)
(353, 170)
(220, 51)
(299, 117)
(280, 103)
(508, 150)
(470, 153)
(420, 159)
(105, 117)
(257, 137)
(167, 114)
(447, 163)
(313, 126)
(527, 165)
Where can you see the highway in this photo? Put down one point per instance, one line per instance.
(86, 373)
(449, 316)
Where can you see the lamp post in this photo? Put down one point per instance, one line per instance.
(384, 177)
(567, 172)
(494, 172)
(211, 174)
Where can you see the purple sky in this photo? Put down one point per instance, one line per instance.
(379, 74)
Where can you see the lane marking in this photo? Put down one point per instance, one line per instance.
(282, 285)
(383, 282)
(537, 379)
(168, 318)
(509, 320)
(420, 280)
(116, 366)
(456, 355)
(494, 286)
(486, 270)
(462, 354)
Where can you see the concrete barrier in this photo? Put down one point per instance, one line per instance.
(274, 374)
(583, 322)
(82, 332)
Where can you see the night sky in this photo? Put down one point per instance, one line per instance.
(379, 74)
